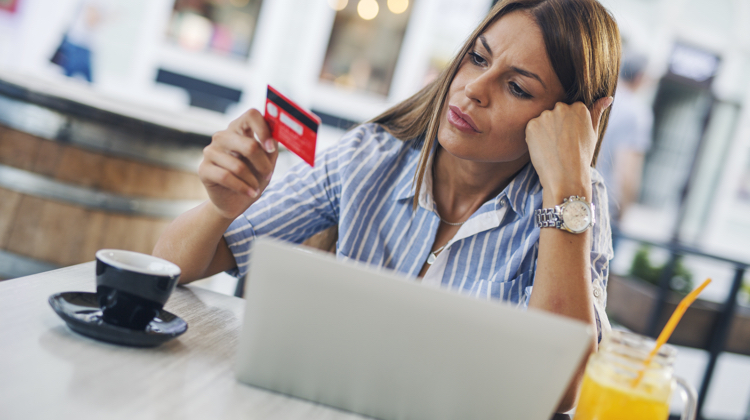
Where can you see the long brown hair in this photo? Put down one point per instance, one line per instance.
(583, 46)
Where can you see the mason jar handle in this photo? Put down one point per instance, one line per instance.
(689, 397)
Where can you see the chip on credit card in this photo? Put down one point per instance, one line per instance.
(291, 125)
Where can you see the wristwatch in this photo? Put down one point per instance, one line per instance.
(574, 215)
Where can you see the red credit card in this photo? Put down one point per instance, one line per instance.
(291, 125)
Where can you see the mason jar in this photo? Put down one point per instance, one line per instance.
(617, 384)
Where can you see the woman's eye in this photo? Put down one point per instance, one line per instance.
(517, 91)
(477, 59)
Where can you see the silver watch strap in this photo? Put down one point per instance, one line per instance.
(549, 217)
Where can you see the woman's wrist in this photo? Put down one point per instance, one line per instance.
(214, 216)
(555, 194)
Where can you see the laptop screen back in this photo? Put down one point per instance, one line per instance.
(373, 342)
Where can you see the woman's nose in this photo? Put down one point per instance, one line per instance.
(478, 91)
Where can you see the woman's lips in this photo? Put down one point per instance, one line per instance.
(460, 120)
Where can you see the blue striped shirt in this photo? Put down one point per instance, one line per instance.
(365, 186)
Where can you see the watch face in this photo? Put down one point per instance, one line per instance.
(576, 216)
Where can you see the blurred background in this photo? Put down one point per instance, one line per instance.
(105, 106)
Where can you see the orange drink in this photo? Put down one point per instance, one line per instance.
(609, 390)
(631, 375)
(605, 396)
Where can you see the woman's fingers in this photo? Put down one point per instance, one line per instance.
(598, 109)
(236, 168)
(245, 164)
(259, 160)
(252, 124)
(561, 145)
(214, 174)
(234, 164)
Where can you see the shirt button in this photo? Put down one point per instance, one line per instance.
(597, 291)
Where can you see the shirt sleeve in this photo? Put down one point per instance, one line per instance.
(302, 203)
(601, 252)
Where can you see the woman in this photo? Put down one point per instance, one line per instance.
(445, 185)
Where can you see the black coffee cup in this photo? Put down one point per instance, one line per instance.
(132, 287)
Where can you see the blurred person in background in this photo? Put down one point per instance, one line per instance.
(456, 186)
(75, 50)
(627, 140)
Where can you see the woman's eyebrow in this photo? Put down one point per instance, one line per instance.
(527, 73)
(483, 40)
(518, 70)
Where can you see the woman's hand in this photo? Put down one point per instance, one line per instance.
(238, 164)
(561, 146)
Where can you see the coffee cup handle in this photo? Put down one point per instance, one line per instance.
(687, 392)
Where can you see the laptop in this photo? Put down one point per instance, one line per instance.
(377, 343)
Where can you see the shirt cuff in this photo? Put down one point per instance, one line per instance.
(240, 236)
(603, 327)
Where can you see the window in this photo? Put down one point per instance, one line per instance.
(223, 27)
(365, 42)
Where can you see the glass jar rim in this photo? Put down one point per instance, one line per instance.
(636, 347)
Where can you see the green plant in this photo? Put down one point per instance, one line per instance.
(682, 278)
(745, 291)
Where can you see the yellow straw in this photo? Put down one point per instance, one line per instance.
(671, 324)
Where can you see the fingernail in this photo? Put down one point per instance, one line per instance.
(611, 100)
(270, 146)
(268, 177)
(252, 192)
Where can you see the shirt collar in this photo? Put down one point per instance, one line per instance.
(525, 183)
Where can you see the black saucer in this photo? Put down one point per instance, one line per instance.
(80, 310)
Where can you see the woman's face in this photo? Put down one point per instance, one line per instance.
(504, 81)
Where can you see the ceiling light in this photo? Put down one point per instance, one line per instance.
(368, 9)
(398, 6)
(338, 4)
